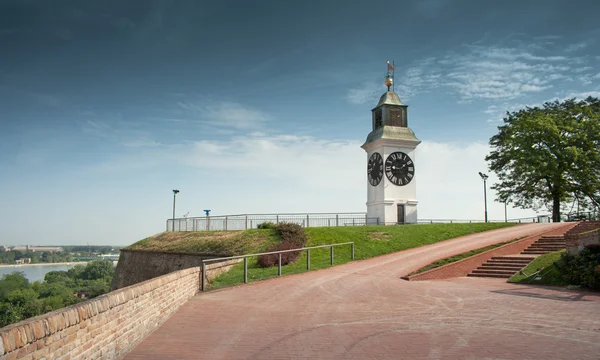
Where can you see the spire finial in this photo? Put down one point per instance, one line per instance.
(389, 78)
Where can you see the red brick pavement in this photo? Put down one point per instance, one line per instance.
(363, 310)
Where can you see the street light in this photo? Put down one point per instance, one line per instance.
(484, 177)
(175, 192)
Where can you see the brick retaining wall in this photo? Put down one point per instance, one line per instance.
(465, 266)
(108, 326)
(584, 234)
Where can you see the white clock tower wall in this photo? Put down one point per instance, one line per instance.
(392, 197)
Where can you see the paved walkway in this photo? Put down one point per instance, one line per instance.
(363, 310)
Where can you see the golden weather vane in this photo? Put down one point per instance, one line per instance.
(389, 78)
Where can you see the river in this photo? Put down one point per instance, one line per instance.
(36, 272)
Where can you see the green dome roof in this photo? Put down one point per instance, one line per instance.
(390, 98)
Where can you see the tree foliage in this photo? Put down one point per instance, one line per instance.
(545, 156)
(20, 300)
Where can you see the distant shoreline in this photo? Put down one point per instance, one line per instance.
(43, 264)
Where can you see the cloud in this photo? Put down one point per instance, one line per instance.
(364, 94)
(223, 114)
(577, 46)
(288, 173)
(112, 128)
(487, 72)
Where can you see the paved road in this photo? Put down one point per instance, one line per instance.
(363, 310)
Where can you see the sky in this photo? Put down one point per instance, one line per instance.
(261, 107)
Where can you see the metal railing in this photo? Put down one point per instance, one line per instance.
(279, 268)
(252, 221)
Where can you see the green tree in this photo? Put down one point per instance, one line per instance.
(12, 282)
(549, 155)
(98, 269)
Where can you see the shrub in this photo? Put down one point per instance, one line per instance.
(273, 259)
(291, 236)
(291, 233)
(581, 269)
(266, 225)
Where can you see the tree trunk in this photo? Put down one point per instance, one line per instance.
(555, 208)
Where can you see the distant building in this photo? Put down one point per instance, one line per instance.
(23, 261)
(28, 248)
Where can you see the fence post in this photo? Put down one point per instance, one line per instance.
(366, 219)
(307, 259)
(167, 225)
(246, 222)
(307, 223)
(337, 220)
(331, 254)
(352, 251)
(203, 276)
(194, 224)
(277, 219)
(245, 270)
(227, 223)
(377, 220)
(279, 265)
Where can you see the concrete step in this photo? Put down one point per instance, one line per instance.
(550, 243)
(498, 272)
(509, 263)
(491, 267)
(529, 258)
(546, 247)
(494, 263)
(536, 252)
(562, 237)
(490, 275)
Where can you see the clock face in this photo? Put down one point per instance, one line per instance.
(375, 169)
(399, 168)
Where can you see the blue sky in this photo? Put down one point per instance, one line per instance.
(249, 107)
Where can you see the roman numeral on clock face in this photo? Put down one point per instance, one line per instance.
(399, 168)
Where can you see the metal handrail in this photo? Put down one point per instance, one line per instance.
(279, 272)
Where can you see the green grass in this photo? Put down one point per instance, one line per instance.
(550, 274)
(209, 242)
(458, 257)
(370, 241)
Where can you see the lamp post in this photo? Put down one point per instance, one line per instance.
(484, 177)
(174, 195)
(505, 217)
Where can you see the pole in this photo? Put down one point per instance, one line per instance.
(485, 199)
(174, 196)
(505, 217)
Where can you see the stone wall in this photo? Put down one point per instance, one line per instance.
(135, 266)
(106, 327)
(584, 234)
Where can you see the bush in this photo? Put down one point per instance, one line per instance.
(581, 269)
(273, 259)
(266, 225)
(291, 236)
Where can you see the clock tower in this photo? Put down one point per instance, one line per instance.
(391, 168)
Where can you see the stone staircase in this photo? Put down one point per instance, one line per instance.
(546, 244)
(502, 266)
(507, 266)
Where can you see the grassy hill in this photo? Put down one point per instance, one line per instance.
(548, 273)
(369, 241)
